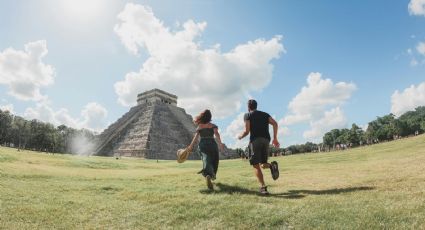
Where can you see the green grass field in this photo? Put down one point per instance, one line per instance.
(378, 187)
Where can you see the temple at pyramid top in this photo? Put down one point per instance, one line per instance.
(156, 95)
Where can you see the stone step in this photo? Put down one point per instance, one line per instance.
(153, 131)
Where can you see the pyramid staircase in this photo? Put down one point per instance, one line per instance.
(153, 130)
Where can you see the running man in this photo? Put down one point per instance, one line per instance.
(257, 125)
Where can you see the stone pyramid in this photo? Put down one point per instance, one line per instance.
(155, 129)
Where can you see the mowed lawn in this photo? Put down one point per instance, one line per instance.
(378, 187)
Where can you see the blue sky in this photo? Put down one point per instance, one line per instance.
(355, 59)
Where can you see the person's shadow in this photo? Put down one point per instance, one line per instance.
(291, 194)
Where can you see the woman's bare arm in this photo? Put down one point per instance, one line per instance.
(194, 140)
(218, 138)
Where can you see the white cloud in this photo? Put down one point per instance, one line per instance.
(316, 97)
(236, 127)
(282, 129)
(414, 62)
(407, 100)
(42, 112)
(332, 119)
(24, 72)
(319, 103)
(417, 7)
(62, 116)
(296, 118)
(93, 116)
(364, 127)
(7, 107)
(202, 78)
(421, 48)
(417, 55)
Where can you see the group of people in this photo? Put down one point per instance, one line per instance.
(256, 125)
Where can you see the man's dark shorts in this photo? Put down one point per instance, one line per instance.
(259, 151)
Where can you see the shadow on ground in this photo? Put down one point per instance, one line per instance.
(291, 194)
(333, 191)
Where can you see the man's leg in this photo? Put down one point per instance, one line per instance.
(259, 175)
(256, 161)
(265, 165)
(265, 153)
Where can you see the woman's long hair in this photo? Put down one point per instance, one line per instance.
(203, 117)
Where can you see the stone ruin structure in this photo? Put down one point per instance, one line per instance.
(154, 129)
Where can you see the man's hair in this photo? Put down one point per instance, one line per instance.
(252, 104)
(203, 117)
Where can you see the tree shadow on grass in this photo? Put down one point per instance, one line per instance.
(291, 194)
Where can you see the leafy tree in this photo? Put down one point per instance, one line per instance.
(423, 126)
(19, 133)
(240, 152)
(302, 148)
(5, 126)
(355, 135)
(383, 128)
(412, 121)
(332, 138)
(344, 135)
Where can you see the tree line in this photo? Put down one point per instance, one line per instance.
(20, 133)
(385, 128)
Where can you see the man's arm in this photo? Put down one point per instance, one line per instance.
(246, 132)
(275, 127)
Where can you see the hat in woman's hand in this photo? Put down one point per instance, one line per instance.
(182, 155)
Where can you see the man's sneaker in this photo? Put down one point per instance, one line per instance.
(274, 169)
(209, 183)
(263, 190)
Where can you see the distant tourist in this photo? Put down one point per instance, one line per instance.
(257, 125)
(207, 145)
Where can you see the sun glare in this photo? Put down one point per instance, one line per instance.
(82, 10)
